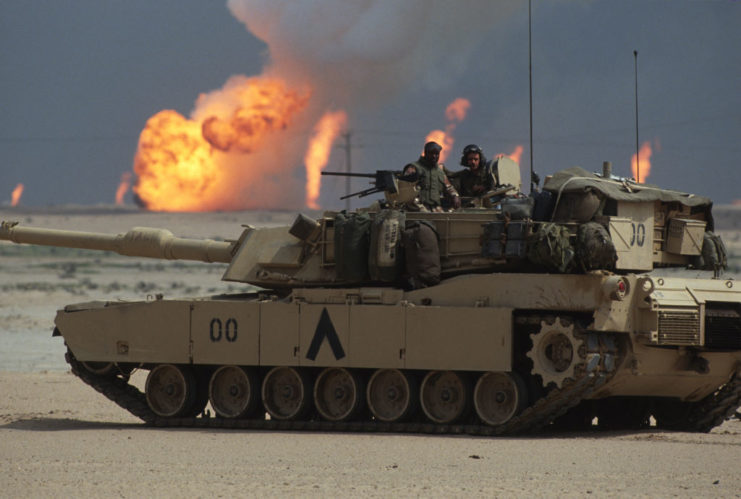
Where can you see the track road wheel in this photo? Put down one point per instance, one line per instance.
(391, 395)
(286, 393)
(498, 397)
(338, 394)
(170, 390)
(445, 396)
(233, 392)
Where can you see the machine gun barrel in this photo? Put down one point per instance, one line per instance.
(139, 241)
(383, 181)
(363, 193)
(343, 174)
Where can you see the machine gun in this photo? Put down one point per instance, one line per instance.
(383, 181)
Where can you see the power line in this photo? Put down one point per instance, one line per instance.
(69, 139)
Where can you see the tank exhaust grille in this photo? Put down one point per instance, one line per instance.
(679, 326)
(723, 326)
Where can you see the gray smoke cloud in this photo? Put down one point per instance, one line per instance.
(363, 52)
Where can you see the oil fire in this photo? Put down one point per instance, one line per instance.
(317, 155)
(15, 196)
(443, 139)
(123, 187)
(454, 114)
(241, 146)
(516, 155)
(205, 162)
(644, 154)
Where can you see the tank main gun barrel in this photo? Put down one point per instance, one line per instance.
(139, 241)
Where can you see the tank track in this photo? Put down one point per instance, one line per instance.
(711, 411)
(596, 371)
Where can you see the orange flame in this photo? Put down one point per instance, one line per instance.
(123, 187)
(644, 153)
(442, 138)
(317, 155)
(205, 163)
(457, 110)
(736, 202)
(516, 155)
(263, 106)
(454, 114)
(15, 197)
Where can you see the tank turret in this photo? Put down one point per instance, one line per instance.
(579, 222)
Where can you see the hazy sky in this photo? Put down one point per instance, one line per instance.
(80, 78)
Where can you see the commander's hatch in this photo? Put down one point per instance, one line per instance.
(507, 172)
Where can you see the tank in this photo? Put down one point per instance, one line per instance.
(508, 316)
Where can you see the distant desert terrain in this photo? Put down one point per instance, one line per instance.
(60, 438)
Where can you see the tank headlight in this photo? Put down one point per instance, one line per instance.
(616, 288)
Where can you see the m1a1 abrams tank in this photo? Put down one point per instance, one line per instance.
(494, 320)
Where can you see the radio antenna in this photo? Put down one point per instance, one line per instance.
(638, 157)
(530, 74)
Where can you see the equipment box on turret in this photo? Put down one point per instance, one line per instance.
(685, 236)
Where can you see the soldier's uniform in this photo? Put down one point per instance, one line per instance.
(476, 179)
(432, 183)
(475, 183)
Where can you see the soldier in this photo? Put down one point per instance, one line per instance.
(432, 181)
(477, 179)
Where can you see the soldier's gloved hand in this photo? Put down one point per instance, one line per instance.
(456, 202)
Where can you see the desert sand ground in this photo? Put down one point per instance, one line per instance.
(60, 438)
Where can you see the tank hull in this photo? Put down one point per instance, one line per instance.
(542, 335)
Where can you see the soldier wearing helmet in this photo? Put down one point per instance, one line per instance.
(477, 179)
(432, 182)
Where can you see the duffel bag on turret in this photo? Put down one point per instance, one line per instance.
(421, 254)
(385, 261)
(351, 241)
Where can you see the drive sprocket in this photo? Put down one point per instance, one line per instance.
(556, 352)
